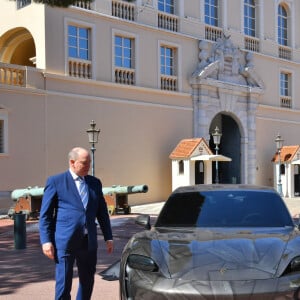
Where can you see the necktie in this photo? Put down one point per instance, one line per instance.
(83, 192)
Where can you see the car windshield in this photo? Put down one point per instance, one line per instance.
(225, 209)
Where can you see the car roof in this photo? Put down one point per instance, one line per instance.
(223, 187)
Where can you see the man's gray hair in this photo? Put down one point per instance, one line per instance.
(75, 152)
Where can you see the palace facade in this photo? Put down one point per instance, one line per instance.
(150, 73)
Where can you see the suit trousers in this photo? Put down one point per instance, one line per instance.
(86, 261)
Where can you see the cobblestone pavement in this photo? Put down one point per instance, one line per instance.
(28, 274)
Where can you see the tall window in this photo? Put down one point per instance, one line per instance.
(211, 12)
(285, 90)
(167, 61)
(282, 26)
(123, 52)
(284, 84)
(166, 15)
(78, 42)
(249, 17)
(168, 72)
(124, 60)
(166, 6)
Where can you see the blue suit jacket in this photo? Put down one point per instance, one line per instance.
(63, 217)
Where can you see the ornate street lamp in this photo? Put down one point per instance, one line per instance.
(93, 139)
(279, 143)
(217, 139)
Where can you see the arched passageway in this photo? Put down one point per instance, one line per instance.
(230, 146)
(18, 47)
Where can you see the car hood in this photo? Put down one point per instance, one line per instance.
(214, 254)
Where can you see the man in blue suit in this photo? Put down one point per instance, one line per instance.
(68, 229)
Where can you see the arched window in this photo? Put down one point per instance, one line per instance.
(282, 26)
(249, 18)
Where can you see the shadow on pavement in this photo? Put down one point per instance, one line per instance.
(21, 267)
(123, 228)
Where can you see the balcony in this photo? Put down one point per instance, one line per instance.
(213, 33)
(168, 83)
(123, 10)
(83, 4)
(80, 68)
(125, 76)
(251, 43)
(286, 101)
(285, 52)
(12, 75)
(167, 21)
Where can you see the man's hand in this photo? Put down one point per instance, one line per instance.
(48, 250)
(110, 246)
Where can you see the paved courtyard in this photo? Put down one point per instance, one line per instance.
(28, 274)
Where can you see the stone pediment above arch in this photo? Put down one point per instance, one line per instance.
(225, 62)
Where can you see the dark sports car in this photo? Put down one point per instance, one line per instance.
(215, 242)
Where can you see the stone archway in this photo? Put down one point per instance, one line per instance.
(225, 84)
(230, 146)
(18, 47)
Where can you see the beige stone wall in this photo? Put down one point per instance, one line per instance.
(30, 18)
(147, 44)
(135, 141)
(140, 125)
(270, 122)
(24, 164)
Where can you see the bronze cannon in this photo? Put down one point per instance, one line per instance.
(28, 201)
(116, 197)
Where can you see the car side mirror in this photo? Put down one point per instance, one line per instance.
(143, 220)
